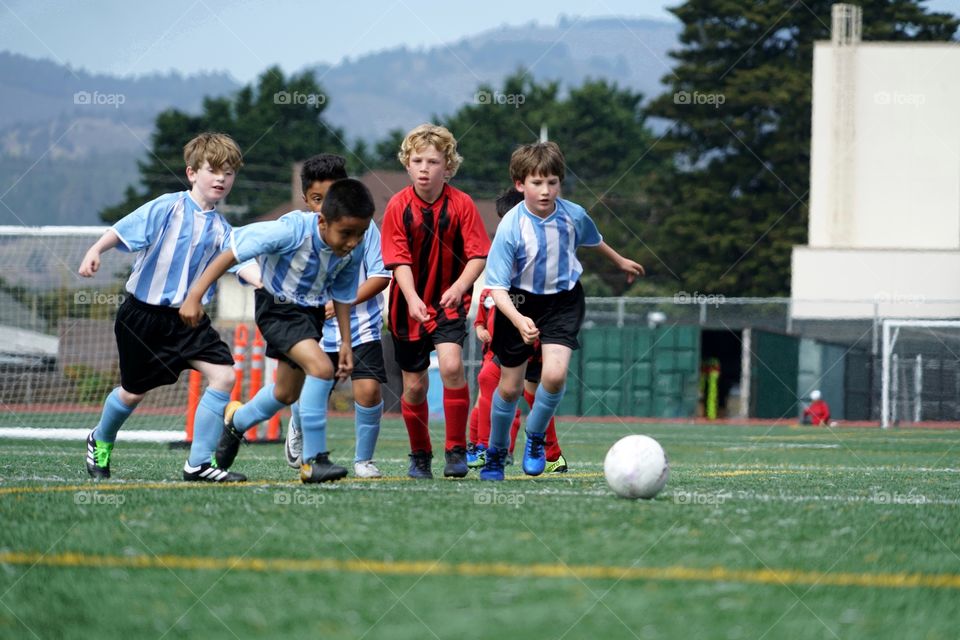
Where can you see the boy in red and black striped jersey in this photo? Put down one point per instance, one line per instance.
(435, 243)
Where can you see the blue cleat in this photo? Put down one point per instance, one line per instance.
(456, 463)
(534, 457)
(471, 455)
(479, 456)
(493, 467)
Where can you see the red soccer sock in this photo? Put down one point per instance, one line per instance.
(488, 380)
(456, 406)
(474, 423)
(416, 418)
(550, 444)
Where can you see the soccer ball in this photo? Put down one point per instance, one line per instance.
(636, 467)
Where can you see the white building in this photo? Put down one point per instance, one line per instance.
(884, 179)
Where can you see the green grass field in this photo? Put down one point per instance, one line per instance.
(760, 533)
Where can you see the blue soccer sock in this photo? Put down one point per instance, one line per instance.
(501, 416)
(261, 407)
(544, 406)
(368, 429)
(313, 415)
(114, 415)
(294, 417)
(207, 426)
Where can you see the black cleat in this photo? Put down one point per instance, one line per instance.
(456, 463)
(320, 469)
(208, 472)
(420, 465)
(98, 458)
(230, 438)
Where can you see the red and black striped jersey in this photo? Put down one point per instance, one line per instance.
(436, 240)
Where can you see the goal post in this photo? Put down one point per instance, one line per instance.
(920, 371)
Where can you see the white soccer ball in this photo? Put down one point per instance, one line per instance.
(636, 467)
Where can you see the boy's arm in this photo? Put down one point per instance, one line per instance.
(191, 311)
(403, 276)
(91, 260)
(345, 366)
(629, 267)
(452, 296)
(527, 328)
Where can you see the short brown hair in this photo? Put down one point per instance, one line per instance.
(537, 159)
(431, 135)
(219, 149)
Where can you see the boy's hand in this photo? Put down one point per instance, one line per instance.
(528, 330)
(345, 366)
(90, 264)
(418, 309)
(451, 297)
(328, 310)
(632, 269)
(191, 312)
(482, 334)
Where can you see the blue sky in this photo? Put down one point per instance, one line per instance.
(246, 36)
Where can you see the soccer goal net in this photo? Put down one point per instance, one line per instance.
(58, 353)
(920, 374)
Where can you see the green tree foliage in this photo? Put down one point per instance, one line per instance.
(276, 123)
(735, 200)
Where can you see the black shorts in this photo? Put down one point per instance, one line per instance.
(367, 362)
(534, 365)
(283, 324)
(156, 346)
(415, 355)
(557, 315)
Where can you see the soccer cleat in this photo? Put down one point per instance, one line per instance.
(471, 455)
(493, 468)
(556, 466)
(230, 438)
(366, 469)
(534, 457)
(98, 458)
(209, 472)
(420, 465)
(479, 456)
(320, 469)
(293, 445)
(456, 462)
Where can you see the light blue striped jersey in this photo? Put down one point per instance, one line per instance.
(366, 318)
(537, 254)
(296, 265)
(175, 240)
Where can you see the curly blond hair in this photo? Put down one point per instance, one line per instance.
(431, 135)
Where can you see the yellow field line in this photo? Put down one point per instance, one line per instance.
(136, 486)
(429, 567)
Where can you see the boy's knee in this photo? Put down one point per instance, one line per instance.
(286, 396)
(415, 389)
(509, 392)
(222, 378)
(553, 382)
(131, 399)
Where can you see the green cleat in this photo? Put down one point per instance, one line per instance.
(556, 466)
(98, 458)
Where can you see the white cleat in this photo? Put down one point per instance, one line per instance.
(366, 469)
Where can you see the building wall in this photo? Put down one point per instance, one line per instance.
(884, 177)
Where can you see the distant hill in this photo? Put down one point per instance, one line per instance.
(69, 139)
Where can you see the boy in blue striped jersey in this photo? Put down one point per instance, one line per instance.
(366, 321)
(534, 277)
(305, 260)
(175, 236)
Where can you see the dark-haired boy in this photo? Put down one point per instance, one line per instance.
(305, 259)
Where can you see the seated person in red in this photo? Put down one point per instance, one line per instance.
(818, 413)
